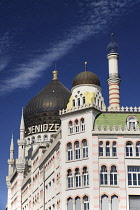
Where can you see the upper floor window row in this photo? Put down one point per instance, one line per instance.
(79, 101)
(132, 150)
(108, 149)
(78, 203)
(77, 126)
(80, 150)
(78, 179)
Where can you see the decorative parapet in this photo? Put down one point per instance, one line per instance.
(123, 109)
(77, 108)
(113, 129)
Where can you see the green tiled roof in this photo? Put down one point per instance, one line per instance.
(111, 118)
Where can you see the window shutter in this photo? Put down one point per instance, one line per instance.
(134, 202)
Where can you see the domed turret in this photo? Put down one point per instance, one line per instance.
(112, 47)
(86, 77)
(44, 107)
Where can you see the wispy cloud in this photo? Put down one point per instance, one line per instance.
(99, 14)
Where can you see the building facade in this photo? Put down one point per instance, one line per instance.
(74, 153)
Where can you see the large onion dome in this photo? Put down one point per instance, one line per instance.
(86, 77)
(44, 107)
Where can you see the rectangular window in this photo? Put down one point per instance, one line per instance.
(77, 153)
(85, 152)
(70, 155)
(134, 175)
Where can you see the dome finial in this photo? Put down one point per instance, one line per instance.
(55, 73)
(85, 65)
(112, 36)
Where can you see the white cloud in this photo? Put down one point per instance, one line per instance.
(99, 14)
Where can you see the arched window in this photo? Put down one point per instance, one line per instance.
(104, 203)
(77, 178)
(76, 126)
(73, 102)
(100, 148)
(84, 100)
(78, 100)
(85, 148)
(45, 138)
(77, 150)
(129, 149)
(114, 202)
(107, 148)
(138, 149)
(33, 139)
(103, 176)
(69, 151)
(85, 177)
(70, 179)
(113, 175)
(70, 127)
(114, 149)
(86, 202)
(70, 204)
(82, 124)
(77, 203)
(39, 138)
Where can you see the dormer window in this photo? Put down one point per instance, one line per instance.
(132, 122)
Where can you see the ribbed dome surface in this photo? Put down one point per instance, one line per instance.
(86, 77)
(45, 106)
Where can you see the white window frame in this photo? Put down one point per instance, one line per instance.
(133, 175)
(101, 149)
(114, 149)
(129, 149)
(107, 149)
(77, 150)
(85, 177)
(82, 121)
(69, 152)
(77, 178)
(76, 126)
(70, 179)
(138, 149)
(85, 203)
(85, 148)
(103, 175)
(113, 176)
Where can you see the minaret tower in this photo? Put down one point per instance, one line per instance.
(114, 80)
(21, 144)
(11, 161)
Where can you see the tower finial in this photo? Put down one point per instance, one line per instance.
(112, 36)
(85, 65)
(55, 73)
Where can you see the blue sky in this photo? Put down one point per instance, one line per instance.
(36, 35)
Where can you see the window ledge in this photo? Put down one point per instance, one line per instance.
(75, 188)
(134, 186)
(131, 157)
(106, 157)
(112, 186)
(70, 134)
(69, 161)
